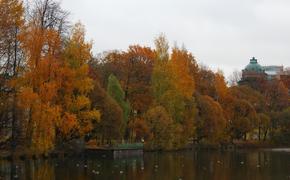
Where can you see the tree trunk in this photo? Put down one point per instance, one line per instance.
(14, 123)
(245, 136)
(265, 135)
(259, 135)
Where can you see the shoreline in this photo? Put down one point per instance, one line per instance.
(26, 155)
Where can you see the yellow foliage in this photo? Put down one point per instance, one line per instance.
(44, 119)
(53, 91)
(220, 86)
(82, 102)
(179, 64)
(27, 97)
(84, 85)
(48, 91)
(68, 123)
(94, 115)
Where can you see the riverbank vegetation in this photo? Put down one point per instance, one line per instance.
(53, 90)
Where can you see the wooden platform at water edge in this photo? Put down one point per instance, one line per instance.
(116, 151)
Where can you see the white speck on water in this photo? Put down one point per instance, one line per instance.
(85, 166)
(242, 162)
(96, 172)
(121, 172)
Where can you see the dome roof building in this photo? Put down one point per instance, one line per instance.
(257, 76)
(254, 66)
(253, 72)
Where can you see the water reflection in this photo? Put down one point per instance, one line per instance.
(170, 165)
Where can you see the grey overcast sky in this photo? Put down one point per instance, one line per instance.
(222, 34)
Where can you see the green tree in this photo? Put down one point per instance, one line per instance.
(115, 90)
(173, 87)
(161, 80)
(111, 121)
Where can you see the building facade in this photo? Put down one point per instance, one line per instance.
(253, 71)
(256, 75)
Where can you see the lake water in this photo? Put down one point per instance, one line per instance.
(203, 165)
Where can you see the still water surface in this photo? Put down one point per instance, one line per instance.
(203, 165)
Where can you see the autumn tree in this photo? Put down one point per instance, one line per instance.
(48, 14)
(254, 97)
(75, 86)
(180, 67)
(111, 121)
(173, 87)
(243, 118)
(37, 87)
(277, 96)
(160, 125)
(205, 82)
(133, 68)
(264, 124)
(280, 133)
(55, 84)
(11, 22)
(160, 80)
(220, 87)
(141, 129)
(211, 123)
(183, 88)
(172, 83)
(138, 66)
(115, 90)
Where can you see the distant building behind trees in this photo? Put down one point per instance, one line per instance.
(257, 76)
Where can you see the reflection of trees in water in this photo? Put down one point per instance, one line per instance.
(41, 170)
(214, 165)
(33, 170)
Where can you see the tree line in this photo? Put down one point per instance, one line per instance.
(53, 90)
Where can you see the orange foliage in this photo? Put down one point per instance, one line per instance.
(55, 87)
(180, 64)
(220, 86)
